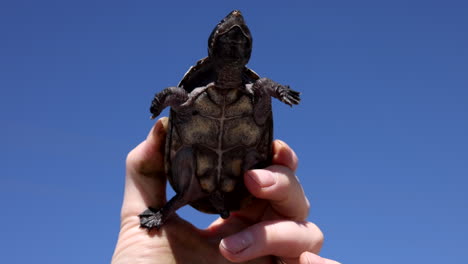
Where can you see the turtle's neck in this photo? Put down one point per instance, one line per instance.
(229, 77)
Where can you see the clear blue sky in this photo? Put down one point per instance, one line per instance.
(382, 130)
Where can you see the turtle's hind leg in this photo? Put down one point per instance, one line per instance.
(154, 218)
(187, 188)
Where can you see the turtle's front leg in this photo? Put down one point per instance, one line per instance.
(262, 90)
(171, 96)
(265, 86)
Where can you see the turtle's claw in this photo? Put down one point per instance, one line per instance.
(289, 96)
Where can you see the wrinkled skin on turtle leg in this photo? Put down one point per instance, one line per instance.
(282, 92)
(171, 96)
(265, 88)
(175, 97)
(190, 190)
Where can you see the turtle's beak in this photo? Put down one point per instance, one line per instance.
(231, 39)
(234, 19)
(236, 13)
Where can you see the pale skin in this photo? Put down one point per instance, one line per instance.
(272, 229)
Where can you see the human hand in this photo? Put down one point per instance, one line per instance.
(272, 229)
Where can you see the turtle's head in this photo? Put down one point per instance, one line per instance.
(230, 43)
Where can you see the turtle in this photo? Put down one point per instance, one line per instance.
(220, 126)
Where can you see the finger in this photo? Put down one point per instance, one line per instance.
(145, 182)
(284, 155)
(146, 158)
(280, 186)
(311, 258)
(285, 239)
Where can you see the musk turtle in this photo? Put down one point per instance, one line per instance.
(220, 126)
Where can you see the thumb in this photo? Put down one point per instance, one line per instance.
(145, 181)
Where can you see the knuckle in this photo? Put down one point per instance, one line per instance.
(133, 162)
(317, 236)
(294, 160)
(130, 160)
(303, 210)
(307, 206)
(285, 156)
(139, 162)
(275, 233)
(284, 185)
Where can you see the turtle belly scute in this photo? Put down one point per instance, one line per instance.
(221, 131)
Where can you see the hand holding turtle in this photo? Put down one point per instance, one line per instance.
(272, 225)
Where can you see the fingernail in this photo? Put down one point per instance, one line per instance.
(264, 179)
(281, 142)
(238, 242)
(311, 258)
(309, 261)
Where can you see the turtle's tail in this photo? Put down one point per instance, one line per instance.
(217, 199)
(224, 214)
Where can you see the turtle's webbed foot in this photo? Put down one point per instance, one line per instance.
(288, 95)
(151, 218)
(265, 86)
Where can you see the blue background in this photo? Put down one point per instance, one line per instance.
(381, 133)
